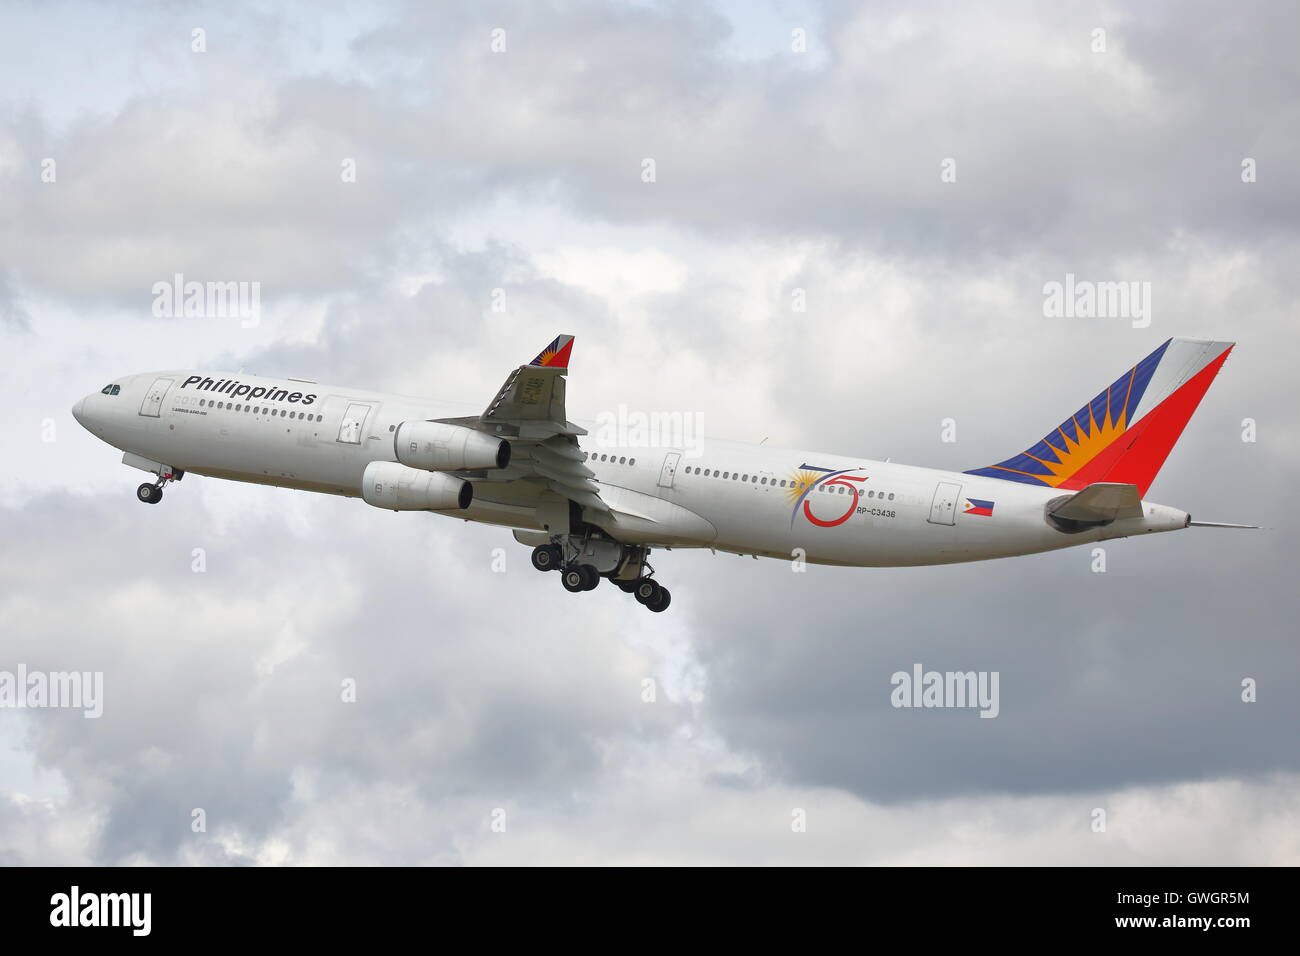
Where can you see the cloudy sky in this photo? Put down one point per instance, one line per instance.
(915, 172)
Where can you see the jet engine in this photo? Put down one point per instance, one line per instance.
(437, 446)
(394, 487)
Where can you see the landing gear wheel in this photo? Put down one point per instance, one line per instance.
(149, 494)
(627, 587)
(592, 576)
(645, 590)
(546, 557)
(660, 601)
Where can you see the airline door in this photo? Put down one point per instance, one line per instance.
(943, 510)
(153, 399)
(354, 420)
(668, 474)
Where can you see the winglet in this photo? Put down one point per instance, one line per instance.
(555, 355)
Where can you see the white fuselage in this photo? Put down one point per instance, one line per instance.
(748, 501)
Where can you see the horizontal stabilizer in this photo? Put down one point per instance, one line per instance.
(1101, 501)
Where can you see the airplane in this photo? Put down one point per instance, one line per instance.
(591, 512)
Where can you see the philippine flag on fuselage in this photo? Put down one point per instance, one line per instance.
(977, 506)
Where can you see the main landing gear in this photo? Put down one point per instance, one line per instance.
(649, 592)
(577, 575)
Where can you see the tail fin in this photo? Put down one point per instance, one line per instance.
(1125, 433)
(555, 355)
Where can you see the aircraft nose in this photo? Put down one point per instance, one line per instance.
(77, 412)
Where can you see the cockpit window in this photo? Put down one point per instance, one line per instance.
(110, 390)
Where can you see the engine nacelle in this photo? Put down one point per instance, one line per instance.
(437, 446)
(394, 487)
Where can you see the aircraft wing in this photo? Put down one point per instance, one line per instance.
(529, 412)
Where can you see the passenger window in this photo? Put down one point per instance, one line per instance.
(631, 461)
(622, 461)
(891, 496)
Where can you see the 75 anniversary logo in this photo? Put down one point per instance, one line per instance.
(808, 478)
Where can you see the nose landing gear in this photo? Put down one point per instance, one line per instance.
(151, 493)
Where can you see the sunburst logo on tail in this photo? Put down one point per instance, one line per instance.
(555, 355)
(1078, 440)
(1073, 454)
